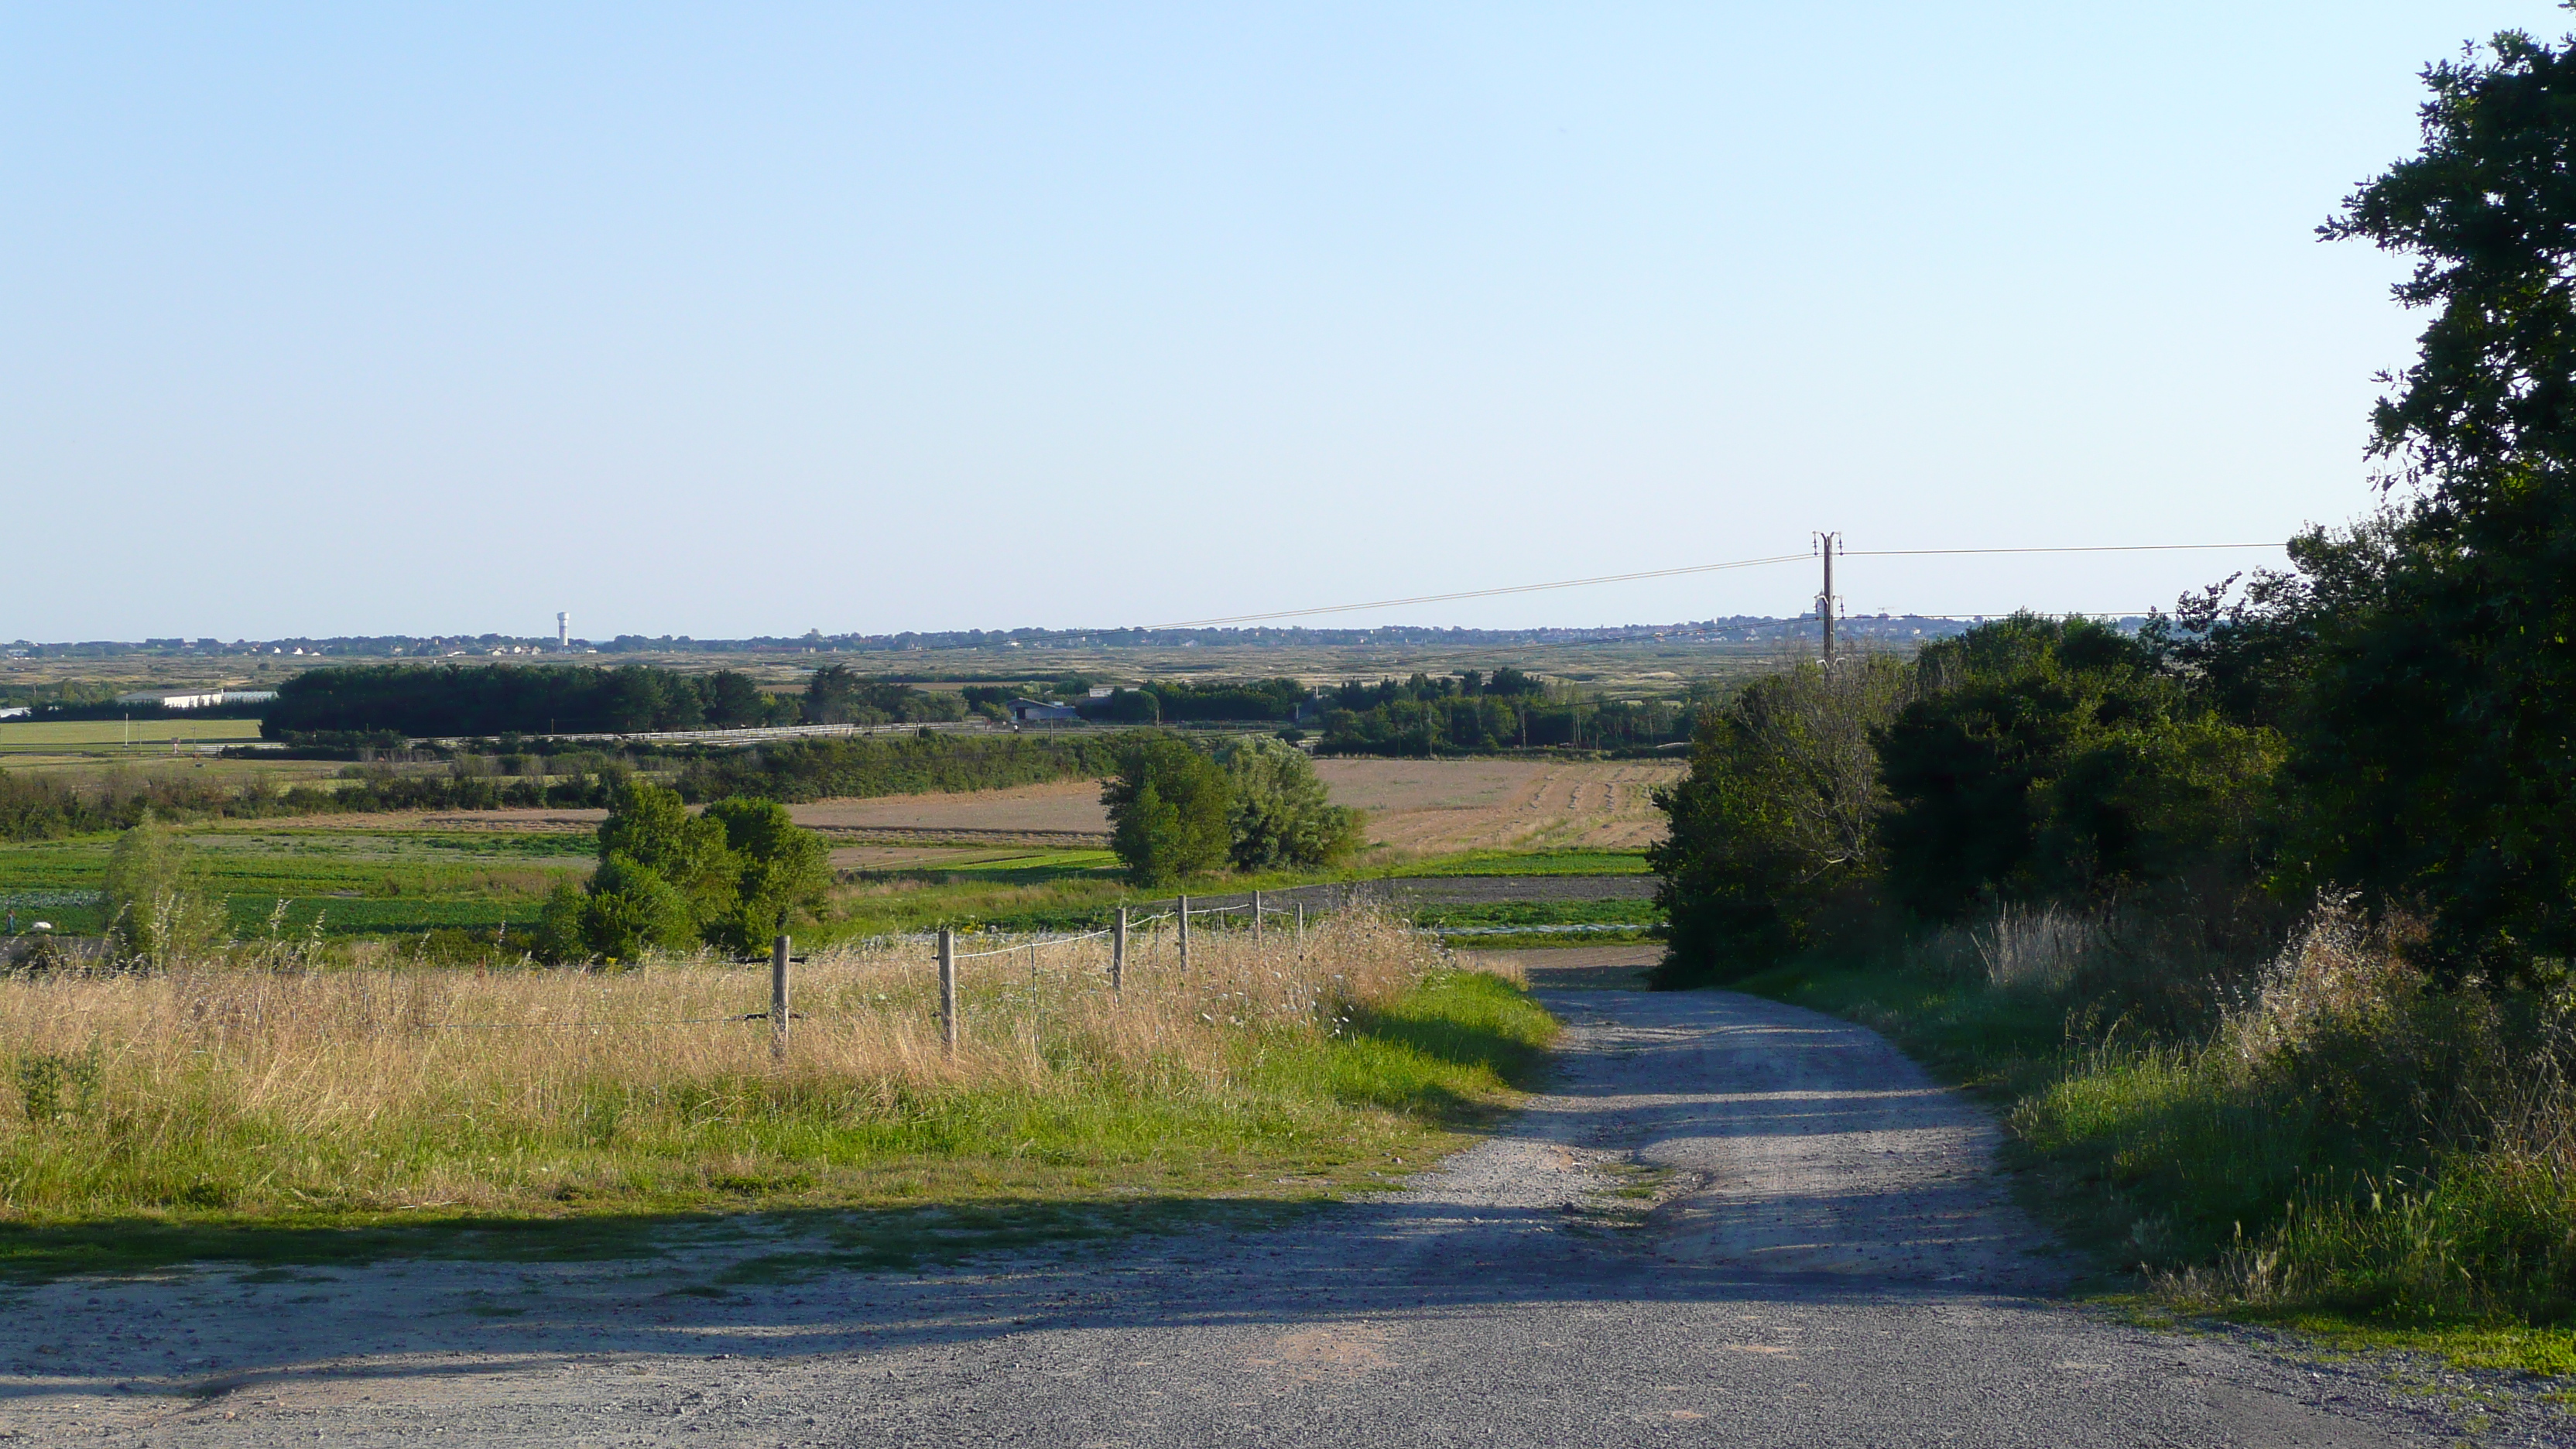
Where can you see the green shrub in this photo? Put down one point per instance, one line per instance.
(52, 1085)
(669, 880)
(1775, 828)
(158, 912)
(1280, 815)
(1169, 808)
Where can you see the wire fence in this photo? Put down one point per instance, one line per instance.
(1156, 943)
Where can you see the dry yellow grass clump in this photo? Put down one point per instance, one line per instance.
(220, 1089)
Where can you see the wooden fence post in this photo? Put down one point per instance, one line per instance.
(778, 997)
(948, 989)
(1118, 954)
(1256, 913)
(1184, 918)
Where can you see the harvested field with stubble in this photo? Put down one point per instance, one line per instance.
(1438, 806)
(1415, 806)
(221, 1093)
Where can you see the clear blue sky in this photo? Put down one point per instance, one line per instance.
(732, 320)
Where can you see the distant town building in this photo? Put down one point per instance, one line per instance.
(1038, 711)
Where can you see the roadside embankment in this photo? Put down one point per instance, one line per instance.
(2345, 1148)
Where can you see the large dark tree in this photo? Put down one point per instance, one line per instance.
(2436, 733)
(2048, 760)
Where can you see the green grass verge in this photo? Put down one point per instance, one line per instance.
(1639, 914)
(885, 1180)
(1531, 862)
(2135, 1157)
(1015, 867)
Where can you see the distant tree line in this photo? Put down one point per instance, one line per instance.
(838, 695)
(472, 700)
(832, 767)
(1472, 713)
(47, 807)
(493, 699)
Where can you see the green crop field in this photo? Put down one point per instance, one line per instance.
(1526, 862)
(110, 735)
(355, 881)
(1016, 866)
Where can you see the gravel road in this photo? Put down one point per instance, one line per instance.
(1730, 1222)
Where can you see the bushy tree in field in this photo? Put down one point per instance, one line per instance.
(1775, 827)
(158, 911)
(1169, 811)
(1280, 815)
(784, 871)
(669, 880)
(630, 911)
(653, 829)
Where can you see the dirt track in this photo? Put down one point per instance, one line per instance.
(1730, 1222)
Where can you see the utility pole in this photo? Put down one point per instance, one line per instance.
(1828, 544)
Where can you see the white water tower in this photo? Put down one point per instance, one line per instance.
(563, 631)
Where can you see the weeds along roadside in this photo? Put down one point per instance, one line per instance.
(2323, 1139)
(220, 1091)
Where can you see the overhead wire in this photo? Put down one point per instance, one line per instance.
(1742, 563)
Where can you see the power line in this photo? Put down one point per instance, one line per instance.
(1742, 563)
(2079, 548)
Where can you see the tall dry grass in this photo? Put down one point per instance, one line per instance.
(2347, 1135)
(219, 1086)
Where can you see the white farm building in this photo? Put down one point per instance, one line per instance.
(197, 698)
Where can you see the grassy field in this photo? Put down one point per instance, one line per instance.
(365, 879)
(354, 881)
(320, 1109)
(108, 735)
(1525, 862)
(488, 871)
(1506, 925)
